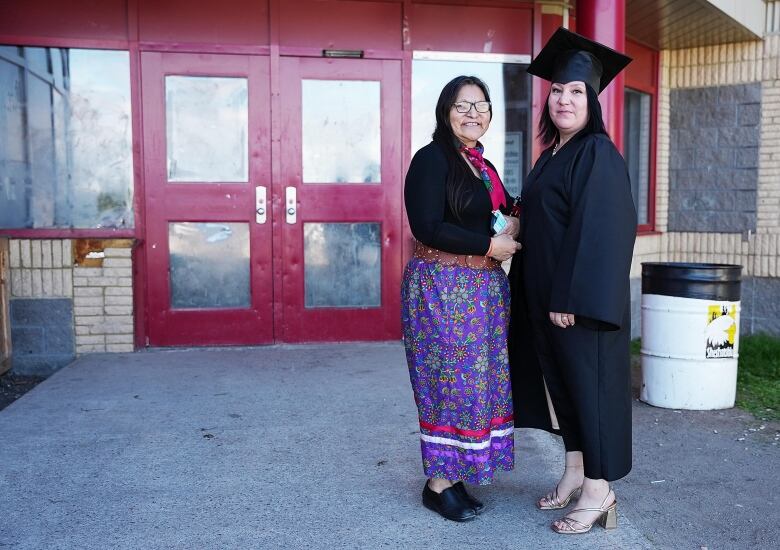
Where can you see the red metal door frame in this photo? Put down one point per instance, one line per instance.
(201, 202)
(324, 202)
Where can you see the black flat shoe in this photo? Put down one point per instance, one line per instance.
(474, 503)
(448, 504)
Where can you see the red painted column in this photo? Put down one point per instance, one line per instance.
(605, 21)
(545, 25)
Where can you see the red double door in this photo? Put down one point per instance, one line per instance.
(273, 213)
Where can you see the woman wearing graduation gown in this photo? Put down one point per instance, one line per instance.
(570, 327)
(455, 304)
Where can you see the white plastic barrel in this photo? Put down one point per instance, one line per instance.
(690, 335)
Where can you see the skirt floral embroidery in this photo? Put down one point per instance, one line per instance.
(455, 328)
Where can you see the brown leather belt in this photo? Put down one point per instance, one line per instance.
(446, 258)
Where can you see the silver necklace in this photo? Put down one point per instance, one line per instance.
(557, 147)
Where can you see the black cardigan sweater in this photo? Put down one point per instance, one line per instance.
(430, 216)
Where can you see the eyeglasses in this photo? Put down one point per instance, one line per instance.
(465, 106)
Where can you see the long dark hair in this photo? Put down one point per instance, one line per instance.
(459, 184)
(548, 133)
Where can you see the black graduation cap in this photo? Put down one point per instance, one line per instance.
(567, 56)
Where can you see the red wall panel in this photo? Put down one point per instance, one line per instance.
(243, 22)
(340, 24)
(642, 72)
(471, 29)
(85, 19)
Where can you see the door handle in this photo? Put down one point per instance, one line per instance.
(260, 204)
(290, 205)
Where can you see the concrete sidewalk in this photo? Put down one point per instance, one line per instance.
(276, 447)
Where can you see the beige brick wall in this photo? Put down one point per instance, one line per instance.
(768, 214)
(103, 304)
(646, 249)
(41, 268)
(759, 254)
(102, 296)
(717, 66)
(662, 146)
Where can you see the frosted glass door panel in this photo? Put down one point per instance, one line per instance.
(342, 264)
(341, 125)
(206, 126)
(209, 264)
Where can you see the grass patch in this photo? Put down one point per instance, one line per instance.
(636, 345)
(758, 378)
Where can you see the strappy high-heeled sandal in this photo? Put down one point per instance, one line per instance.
(554, 502)
(607, 519)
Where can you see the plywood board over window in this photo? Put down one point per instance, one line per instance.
(5, 322)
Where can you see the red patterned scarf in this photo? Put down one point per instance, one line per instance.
(489, 176)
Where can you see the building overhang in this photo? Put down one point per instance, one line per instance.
(674, 24)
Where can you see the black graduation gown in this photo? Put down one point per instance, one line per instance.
(578, 227)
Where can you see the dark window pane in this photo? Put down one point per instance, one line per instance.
(636, 148)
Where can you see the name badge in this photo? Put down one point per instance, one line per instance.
(499, 222)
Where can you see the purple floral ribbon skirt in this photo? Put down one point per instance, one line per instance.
(455, 323)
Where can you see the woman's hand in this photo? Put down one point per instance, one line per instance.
(502, 247)
(563, 320)
(512, 227)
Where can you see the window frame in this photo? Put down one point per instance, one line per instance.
(645, 227)
(645, 79)
(91, 44)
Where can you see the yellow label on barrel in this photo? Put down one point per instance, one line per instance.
(721, 331)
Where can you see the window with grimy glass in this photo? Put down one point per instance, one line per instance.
(65, 138)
